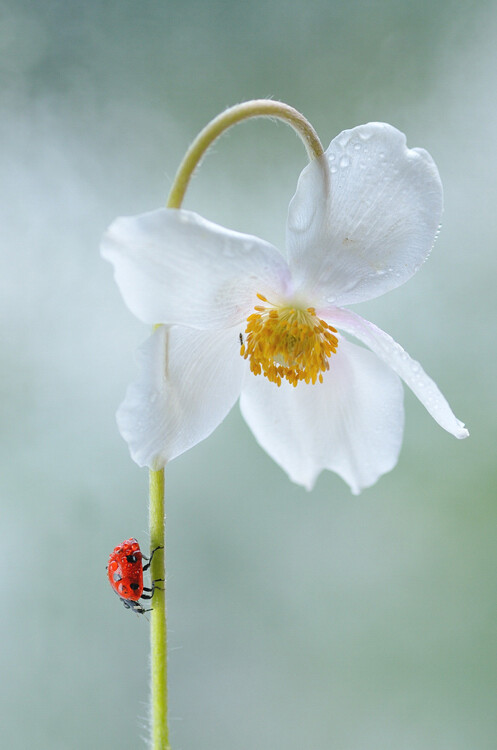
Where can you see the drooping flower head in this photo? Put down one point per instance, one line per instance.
(239, 319)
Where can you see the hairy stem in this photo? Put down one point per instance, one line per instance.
(232, 116)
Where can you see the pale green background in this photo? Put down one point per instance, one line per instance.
(301, 621)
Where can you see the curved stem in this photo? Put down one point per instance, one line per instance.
(158, 625)
(232, 116)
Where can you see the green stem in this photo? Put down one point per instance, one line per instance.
(232, 116)
(158, 635)
(158, 625)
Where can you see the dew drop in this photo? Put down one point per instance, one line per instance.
(344, 161)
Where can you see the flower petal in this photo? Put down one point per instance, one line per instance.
(188, 382)
(173, 266)
(352, 423)
(409, 370)
(364, 217)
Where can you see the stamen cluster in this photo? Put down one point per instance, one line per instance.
(288, 343)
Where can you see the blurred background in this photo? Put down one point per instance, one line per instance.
(298, 620)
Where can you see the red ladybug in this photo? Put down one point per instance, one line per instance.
(125, 573)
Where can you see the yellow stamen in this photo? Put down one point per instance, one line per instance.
(288, 343)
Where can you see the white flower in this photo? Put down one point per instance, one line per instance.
(240, 319)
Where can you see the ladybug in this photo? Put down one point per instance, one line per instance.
(125, 573)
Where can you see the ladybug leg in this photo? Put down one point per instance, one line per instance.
(152, 589)
(145, 588)
(147, 566)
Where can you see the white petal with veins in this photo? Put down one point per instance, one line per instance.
(188, 382)
(411, 372)
(174, 267)
(364, 216)
(352, 423)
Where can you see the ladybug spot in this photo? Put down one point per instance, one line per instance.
(131, 558)
(134, 586)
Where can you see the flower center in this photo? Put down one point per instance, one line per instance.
(288, 342)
